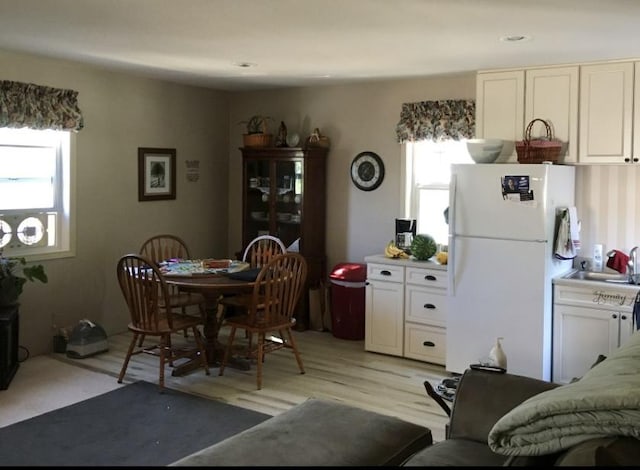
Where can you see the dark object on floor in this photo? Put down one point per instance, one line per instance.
(86, 339)
(108, 430)
(437, 397)
(447, 388)
(318, 433)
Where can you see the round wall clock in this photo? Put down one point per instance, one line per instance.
(367, 171)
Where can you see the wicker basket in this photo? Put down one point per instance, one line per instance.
(257, 140)
(538, 150)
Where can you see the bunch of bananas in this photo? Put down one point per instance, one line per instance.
(392, 251)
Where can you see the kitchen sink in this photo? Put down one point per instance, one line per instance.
(597, 276)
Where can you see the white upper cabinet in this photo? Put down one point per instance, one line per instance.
(552, 94)
(500, 109)
(606, 113)
(506, 101)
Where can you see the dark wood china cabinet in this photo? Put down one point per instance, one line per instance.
(284, 194)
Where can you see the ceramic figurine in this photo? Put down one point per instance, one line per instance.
(281, 139)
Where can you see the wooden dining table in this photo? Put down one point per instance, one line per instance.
(212, 287)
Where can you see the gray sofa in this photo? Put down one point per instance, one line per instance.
(496, 419)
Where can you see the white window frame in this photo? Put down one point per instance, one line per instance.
(412, 186)
(59, 220)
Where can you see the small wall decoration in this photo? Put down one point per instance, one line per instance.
(156, 174)
(193, 170)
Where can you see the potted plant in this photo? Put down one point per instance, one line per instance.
(257, 131)
(12, 280)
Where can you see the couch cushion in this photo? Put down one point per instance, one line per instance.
(314, 433)
(456, 453)
(603, 452)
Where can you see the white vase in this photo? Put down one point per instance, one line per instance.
(497, 357)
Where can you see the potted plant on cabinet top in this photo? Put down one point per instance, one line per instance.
(257, 132)
(12, 283)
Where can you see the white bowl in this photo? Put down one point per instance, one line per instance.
(484, 150)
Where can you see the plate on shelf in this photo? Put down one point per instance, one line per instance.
(258, 215)
(293, 139)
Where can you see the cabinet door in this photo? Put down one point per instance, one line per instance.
(552, 94)
(579, 336)
(500, 109)
(384, 319)
(606, 112)
(626, 327)
(287, 198)
(257, 200)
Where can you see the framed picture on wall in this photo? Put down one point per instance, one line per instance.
(156, 174)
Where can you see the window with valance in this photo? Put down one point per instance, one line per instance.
(39, 107)
(36, 187)
(434, 134)
(437, 120)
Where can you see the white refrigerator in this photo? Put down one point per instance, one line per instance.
(502, 219)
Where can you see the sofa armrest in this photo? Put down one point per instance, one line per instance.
(482, 398)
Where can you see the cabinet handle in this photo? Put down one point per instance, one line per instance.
(614, 316)
(430, 277)
(623, 317)
(429, 306)
(429, 344)
(627, 160)
(385, 272)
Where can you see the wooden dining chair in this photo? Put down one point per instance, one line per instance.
(276, 293)
(164, 247)
(261, 249)
(258, 252)
(148, 300)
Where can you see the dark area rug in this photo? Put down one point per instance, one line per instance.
(133, 425)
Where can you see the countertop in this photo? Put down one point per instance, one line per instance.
(560, 280)
(411, 263)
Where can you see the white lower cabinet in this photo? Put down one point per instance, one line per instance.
(383, 322)
(406, 309)
(588, 321)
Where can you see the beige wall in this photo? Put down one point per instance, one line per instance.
(355, 118)
(121, 114)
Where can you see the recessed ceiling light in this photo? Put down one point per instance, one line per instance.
(515, 38)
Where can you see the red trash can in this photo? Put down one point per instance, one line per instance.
(347, 300)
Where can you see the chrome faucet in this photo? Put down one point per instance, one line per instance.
(633, 265)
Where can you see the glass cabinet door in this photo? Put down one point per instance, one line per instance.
(258, 196)
(288, 200)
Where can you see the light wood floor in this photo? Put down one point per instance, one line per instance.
(335, 369)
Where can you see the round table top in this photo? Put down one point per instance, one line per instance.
(208, 281)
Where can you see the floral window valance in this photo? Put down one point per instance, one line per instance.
(437, 120)
(39, 107)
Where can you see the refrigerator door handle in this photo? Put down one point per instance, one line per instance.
(451, 263)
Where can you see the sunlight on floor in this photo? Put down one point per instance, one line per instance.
(42, 384)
